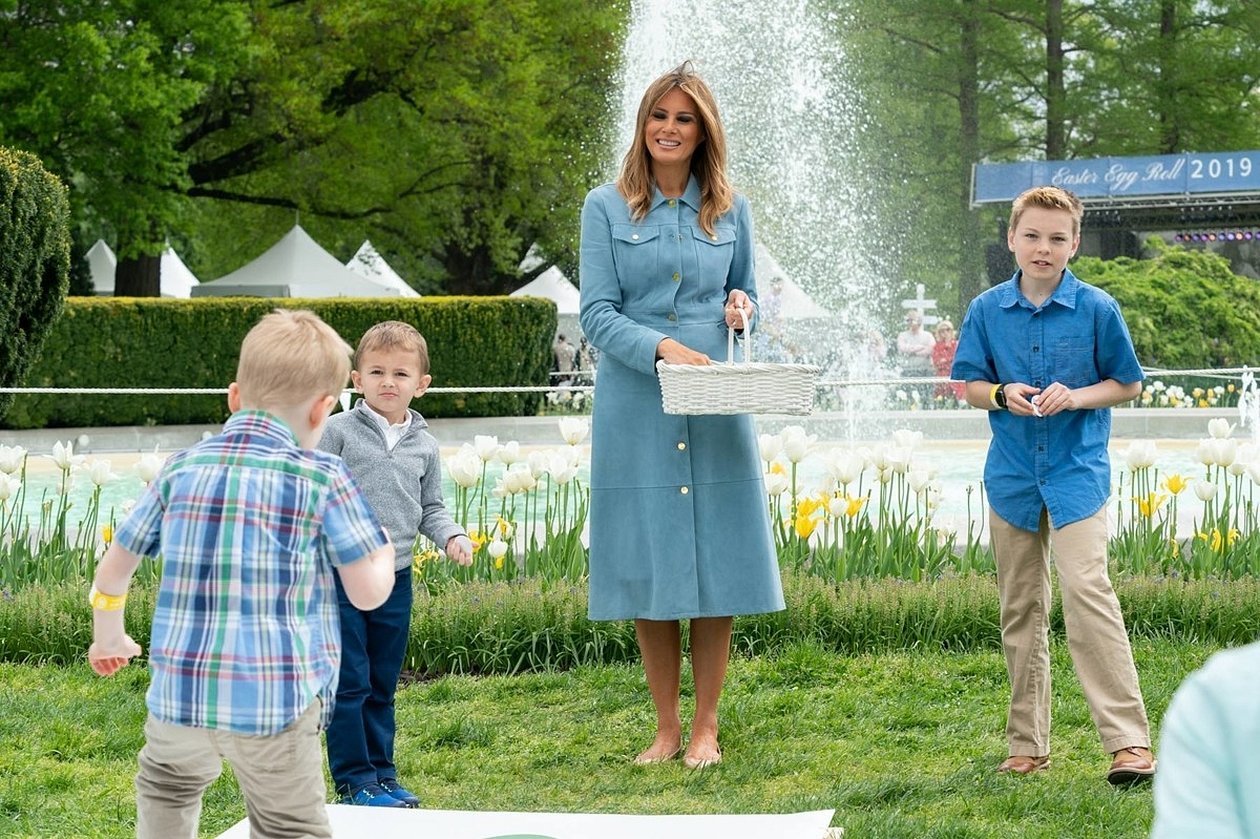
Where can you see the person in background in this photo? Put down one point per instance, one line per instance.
(252, 527)
(914, 350)
(1210, 770)
(679, 525)
(384, 443)
(566, 360)
(949, 393)
(1048, 356)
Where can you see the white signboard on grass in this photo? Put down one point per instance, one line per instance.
(381, 823)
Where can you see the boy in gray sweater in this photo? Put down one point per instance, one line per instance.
(397, 465)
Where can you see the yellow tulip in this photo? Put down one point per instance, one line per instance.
(1175, 483)
(107, 534)
(1152, 502)
(805, 526)
(855, 506)
(777, 468)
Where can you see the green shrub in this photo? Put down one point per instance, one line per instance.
(1185, 308)
(162, 343)
(529, 625)
(34, 261)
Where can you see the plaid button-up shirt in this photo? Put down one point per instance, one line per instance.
(249, 527)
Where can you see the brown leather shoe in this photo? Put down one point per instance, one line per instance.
(1024, 764)
(1131, 765)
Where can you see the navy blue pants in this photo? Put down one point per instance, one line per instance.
(373, 644)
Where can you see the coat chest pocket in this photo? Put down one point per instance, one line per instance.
(715, 251)
(636, 248)
(1074, 361)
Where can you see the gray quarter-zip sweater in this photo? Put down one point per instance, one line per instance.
(403, 484)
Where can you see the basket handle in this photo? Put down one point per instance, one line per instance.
(730, 339)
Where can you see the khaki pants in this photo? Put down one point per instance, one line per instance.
(1095, 630)
(280, 775)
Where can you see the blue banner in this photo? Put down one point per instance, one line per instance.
(1121, 178)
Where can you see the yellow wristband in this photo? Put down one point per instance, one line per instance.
(993, 396)
(106, 602)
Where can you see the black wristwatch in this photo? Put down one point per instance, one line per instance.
(999, 398)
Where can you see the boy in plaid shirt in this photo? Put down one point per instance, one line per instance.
(244, 656)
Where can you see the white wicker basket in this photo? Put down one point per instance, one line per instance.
(745, 387)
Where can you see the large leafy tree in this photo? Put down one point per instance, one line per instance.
(454, 135)
(99, 91)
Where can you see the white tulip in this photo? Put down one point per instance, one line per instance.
(148, 466)
(486, 446)
(919, 479)
(99, 472)
(1205, 452)
(538, 461)
(878, 457)
(1205, 490)
(1253, 471)
(769, 445)
(838, 506)
(572, 455)
(464, 467)
(907, 439)
(574, 429)
(9, 487)
(1225, 451)
(796, 443)
(776, 483)
(1220, 428)
(64, 456)
(519, 478)
(509, 453)
(497, 548)
(561, 468)
(898, 459)
(1140, 454)
(11, 459)
(845, 465)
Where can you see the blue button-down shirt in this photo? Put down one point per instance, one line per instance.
(1077, 338)
(249, 527)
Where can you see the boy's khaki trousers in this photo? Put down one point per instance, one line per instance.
(281, 777)
(1097, 640)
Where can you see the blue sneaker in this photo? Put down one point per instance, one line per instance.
(399, 792)
(371, 795)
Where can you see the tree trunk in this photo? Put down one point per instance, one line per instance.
(1166, 90)
(471, 271)
(1056, 93)
(139, 276)
(971, 273)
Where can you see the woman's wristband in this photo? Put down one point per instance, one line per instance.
(997, 397)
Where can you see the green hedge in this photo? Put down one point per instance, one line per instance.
(1185, 308)
(34, 261)
(162, 343)
(531, 625)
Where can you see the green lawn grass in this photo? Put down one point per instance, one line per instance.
(899, 743)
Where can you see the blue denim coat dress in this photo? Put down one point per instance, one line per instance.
(679, 524)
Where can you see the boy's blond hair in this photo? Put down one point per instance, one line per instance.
(289, 358)
(1049, 198)
(394, 335)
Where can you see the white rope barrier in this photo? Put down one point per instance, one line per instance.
(1212, 372)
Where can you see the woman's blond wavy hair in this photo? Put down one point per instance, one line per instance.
(708, 164)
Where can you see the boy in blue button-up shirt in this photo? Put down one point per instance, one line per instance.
(1048, 356)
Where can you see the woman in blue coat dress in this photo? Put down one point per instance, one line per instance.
(679, 523)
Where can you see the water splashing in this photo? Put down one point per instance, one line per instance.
(794, 127)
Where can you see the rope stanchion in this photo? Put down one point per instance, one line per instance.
(1212, 372)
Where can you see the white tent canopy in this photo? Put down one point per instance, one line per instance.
(794, 303)
(176, 280)
(553, 285)
(368, 262)
(296, 266)
(102, 264)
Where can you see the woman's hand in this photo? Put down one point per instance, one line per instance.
(735, 301)
(672, 352)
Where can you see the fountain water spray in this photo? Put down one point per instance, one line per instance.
(794, 128)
